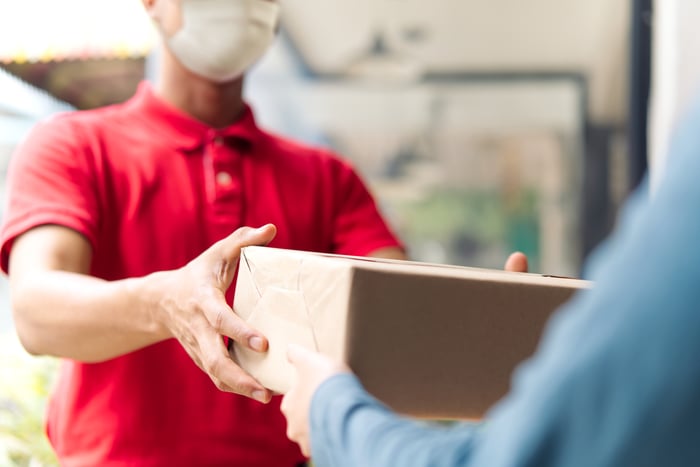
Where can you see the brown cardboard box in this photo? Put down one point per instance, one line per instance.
(429, 340)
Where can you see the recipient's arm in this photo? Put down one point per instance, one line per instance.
(342, 409)
(615, 381)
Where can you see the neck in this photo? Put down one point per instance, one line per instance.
(217, 105)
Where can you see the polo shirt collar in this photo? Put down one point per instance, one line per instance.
(186, 132)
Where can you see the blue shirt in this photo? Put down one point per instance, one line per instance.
(615, 381)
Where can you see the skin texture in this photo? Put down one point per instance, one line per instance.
(166, 13)
(312, 370)
(516, 262)
(60, 310)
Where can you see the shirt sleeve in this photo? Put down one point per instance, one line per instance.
(359, 228)
(50, 181)
(343, 412)
(615, 381)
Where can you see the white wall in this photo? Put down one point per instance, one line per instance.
(676, 73)
(477, 35)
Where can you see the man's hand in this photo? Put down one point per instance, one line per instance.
(516, 262)
(192, 307)
(312, 370)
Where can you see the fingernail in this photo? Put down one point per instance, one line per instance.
(256, 343)
(259, 396)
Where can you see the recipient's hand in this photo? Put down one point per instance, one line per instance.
(516, 262)
(312, 370)
(194, 311)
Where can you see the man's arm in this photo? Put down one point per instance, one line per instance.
(60, 310)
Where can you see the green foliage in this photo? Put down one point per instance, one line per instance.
(446, 211)
(25, 382)
(470, 223)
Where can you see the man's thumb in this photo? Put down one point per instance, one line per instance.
(246, 236)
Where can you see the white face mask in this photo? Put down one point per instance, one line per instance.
(221, 39)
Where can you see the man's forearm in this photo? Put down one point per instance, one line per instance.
(83, 318)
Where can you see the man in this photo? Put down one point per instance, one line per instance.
(117, 239)
(615, 383)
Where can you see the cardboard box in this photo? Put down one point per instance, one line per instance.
(429, 340)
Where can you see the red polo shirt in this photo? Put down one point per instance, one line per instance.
(151, 188)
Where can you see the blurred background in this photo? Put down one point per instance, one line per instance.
(481, 126)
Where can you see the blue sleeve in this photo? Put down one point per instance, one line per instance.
(342, 411)
(615, 381)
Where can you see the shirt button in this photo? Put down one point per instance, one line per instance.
(223, 179)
